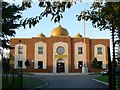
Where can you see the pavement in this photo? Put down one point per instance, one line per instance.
(62, 80)
(63, 73)
(71, 81)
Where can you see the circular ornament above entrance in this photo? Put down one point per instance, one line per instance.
(60, 50)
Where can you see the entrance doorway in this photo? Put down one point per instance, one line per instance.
(60, 66)
(40, 64)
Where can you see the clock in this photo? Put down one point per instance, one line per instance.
(60, 50)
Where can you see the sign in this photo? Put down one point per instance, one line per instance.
(106, 61)
(11, 62)
(60, 56)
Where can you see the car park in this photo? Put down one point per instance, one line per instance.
(105, 72)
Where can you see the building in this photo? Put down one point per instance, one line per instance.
(59, 52)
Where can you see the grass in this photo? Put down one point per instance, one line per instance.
(118, 82)
(102, 78)
(105, 79)
(9, 84)
(32, 83)
(27, 83)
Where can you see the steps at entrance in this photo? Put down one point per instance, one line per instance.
(62, 73)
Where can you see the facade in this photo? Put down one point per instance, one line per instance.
(59, 52)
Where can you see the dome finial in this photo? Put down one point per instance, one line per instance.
(59, 24)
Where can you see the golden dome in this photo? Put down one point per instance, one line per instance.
(59, 31)
(78, 35)
(41, 35)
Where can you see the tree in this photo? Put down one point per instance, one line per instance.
(95, 63)
(27, 63)
(55, 9)
(103, 16)
(11, 15)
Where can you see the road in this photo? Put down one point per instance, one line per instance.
(72, 81)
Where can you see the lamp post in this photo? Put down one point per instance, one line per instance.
(21, 74)
(85, 68)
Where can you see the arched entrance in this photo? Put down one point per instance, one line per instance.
(60, 66)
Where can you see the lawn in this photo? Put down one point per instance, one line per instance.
(105, 79)
(102, 78)
(9, 83)
(27, 83)
(32, 83)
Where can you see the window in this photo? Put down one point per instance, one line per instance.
(40, 50)
(19, 64)
(20, 50)
(99, 50)
(80, 50)
(40, 64)
(100, 64)
(60, 50)
(80, 64)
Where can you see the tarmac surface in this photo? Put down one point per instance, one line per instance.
(83, 81)
(63, 81)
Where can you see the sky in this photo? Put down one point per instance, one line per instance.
(69, 22)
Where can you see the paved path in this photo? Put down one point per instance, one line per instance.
(72, 81)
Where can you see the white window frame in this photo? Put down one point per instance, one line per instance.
(80, 50)
(40, 49)
(99, 50)
(20, 49)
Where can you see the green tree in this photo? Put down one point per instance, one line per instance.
(11, 15)
(101, 15)
(105, 16)
(53, 9)
(95, 63)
